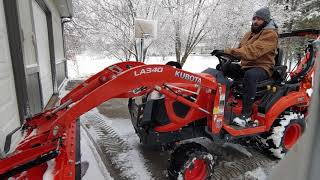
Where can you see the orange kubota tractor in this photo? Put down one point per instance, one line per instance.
(176, 105)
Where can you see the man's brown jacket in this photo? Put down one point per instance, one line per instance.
(257, 50)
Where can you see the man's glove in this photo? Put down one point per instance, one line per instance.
(217, 52)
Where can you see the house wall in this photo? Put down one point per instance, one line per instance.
(9, 113)
(30, 52)
(30, 56)
(60, 62)
(20, 87)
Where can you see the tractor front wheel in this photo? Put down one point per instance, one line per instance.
(284, 133)
(191, 161)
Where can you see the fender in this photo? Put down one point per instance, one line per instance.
(290, 100)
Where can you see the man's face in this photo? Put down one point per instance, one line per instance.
(257, 24)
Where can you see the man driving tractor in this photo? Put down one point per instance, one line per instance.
(257, 51)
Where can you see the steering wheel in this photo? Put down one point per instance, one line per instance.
(224, 57)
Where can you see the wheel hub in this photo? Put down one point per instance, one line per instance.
(291, 136)
(197, 171)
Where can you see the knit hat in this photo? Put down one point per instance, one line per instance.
(264, 14)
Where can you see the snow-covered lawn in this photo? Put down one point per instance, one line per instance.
(87, 65)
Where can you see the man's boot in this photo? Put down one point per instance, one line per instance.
(245, 118)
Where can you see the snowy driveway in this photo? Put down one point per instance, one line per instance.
(124, 157)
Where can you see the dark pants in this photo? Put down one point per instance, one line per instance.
(250, 78)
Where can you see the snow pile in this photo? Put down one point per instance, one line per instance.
(256, 174)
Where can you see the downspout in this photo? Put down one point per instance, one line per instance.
(63, 21)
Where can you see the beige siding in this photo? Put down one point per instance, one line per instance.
(9, 114)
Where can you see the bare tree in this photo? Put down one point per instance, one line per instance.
(190, 19)
(108, 26)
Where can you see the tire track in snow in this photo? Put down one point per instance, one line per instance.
(235, 166)
(122, 159)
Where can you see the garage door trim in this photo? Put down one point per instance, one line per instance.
(14, 37)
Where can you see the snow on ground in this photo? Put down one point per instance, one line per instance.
(194, 63)
(256, 174)
(199, 63)
(96, 168)
(86, 65)
(48, 175)
(63, 92)
(238, 147)
(129, 158)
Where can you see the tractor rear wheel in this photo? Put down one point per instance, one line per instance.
(191, 161)
(283, 134)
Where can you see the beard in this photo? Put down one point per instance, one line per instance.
(256, 28)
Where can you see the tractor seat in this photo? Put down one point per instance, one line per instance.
(279, 70)
(278, 76)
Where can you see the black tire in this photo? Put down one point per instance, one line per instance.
(188, 157)
(283, 134)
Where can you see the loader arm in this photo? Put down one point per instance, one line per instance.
(131, 83)
(51, 134)
(97, 80)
